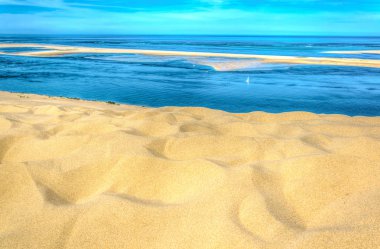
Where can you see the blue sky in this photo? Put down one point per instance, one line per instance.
(232, 17)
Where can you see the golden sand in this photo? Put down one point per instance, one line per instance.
(57, 50)
(79, 174)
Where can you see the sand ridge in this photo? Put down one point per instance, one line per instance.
(58, 50)
(81, 174)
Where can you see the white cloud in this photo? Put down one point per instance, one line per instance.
(37, 3)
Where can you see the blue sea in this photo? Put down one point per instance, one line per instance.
(158, 81)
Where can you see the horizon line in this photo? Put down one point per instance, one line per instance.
(230, 35)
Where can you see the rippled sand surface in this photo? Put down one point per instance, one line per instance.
(79, 174)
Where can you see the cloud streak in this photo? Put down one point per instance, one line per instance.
(188, 17)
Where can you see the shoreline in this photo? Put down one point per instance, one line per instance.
(111, 104)
(123, 105)
(81, 174)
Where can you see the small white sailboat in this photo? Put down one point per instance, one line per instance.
(248, 80)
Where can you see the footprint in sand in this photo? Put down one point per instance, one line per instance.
(266, 213)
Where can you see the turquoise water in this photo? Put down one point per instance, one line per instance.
(176, 81)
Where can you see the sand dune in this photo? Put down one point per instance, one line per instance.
(58, 50)
(78, 174)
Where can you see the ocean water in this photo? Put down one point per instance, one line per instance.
(178, 81)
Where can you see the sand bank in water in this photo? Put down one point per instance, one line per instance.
(58, 50)
(77, 174)
(354, 52)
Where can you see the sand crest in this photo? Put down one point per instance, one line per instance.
(79, 174)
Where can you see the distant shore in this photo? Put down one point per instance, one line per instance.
(59, 50)
(83, 174)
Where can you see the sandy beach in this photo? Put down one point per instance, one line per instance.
(81, 174)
